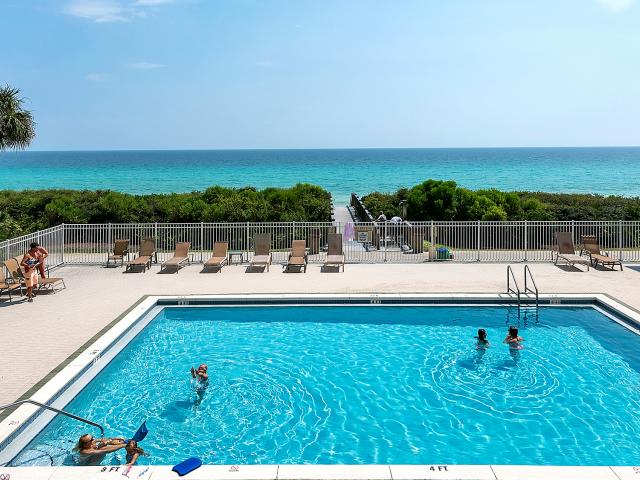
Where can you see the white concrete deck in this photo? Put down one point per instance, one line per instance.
(37, 337)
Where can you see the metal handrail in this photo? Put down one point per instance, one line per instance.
(57, 410)
(510, 289)
(527, 289)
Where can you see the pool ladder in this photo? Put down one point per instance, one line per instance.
(530, 286)
(57, 410)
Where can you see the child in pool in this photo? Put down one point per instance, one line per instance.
(133, 452)
(482, 339)
(513, 339)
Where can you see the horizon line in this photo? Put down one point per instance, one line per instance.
(312, 149)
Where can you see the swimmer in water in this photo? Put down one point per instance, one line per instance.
(133, 452)
(202, 382)
(513, 339)
(201, 373)
(483, 342)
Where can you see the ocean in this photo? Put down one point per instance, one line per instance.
(607, 171)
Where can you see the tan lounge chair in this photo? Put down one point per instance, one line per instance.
(147, 252)
(591, 248)
(120, 250)
(47, 283)
(298, 256)
(335, 255)
(567, 252)
(180, 257)
(8, 287)
(262, 251)
(219, 256)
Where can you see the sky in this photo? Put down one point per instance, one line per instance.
(200, 74)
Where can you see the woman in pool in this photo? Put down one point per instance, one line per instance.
(513, 339)
(92, 451)
(482, 339)
(133, 452)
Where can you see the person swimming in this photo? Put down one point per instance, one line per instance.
(93, 450)
(513, 339)
(133, 452)
(201, 373)
(202, 382)
(483, 342)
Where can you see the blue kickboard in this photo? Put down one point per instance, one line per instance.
(189, 465)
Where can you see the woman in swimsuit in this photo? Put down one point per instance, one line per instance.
(482, 339)
(513, 339)
(133, 452)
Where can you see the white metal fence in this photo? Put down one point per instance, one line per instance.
(363, 242)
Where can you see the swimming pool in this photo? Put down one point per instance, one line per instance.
(367, 384)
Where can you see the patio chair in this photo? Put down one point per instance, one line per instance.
(180, 257)
(8, 287)
(145, 255)
(261, 251)
(298, 256)
(219, 256)
(120, 250)
(567, 252)
(591, 248)
(335, 255)
(47, 283)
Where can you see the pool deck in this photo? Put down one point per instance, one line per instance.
(40, 337)
(37, 337)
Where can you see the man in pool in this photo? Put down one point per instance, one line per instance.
(92, 451)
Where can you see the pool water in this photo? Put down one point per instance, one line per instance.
(386, 385)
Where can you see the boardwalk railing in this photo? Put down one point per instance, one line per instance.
(364, 242)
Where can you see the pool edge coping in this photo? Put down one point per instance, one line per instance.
(67, 372)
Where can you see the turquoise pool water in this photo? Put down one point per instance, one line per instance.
(367, 385)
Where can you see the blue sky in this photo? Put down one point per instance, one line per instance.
(120, 74)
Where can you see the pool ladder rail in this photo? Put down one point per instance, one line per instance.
(57, 410)
(530, 286)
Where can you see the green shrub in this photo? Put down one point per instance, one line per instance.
(28, 211)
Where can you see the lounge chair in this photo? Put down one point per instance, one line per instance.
(567, 252)
(219, 256)
(591, 248)
(47, 283)
(262, 251)
(298, 256)
(180, 257)
(120, 250)
(335, 255)
(8, 287)
(147, 252)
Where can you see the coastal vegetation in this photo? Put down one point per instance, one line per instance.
(445, 200)
(17, 127)
(28, 211)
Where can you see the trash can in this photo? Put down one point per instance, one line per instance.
(442, 253)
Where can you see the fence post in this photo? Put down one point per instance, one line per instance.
(384, 240)
(109, 237)
(201, 240)
(64, 227)
(526, 240)
(620, 238)
(573, 233)
(478, 240)
(247, 244)
(432, 246)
